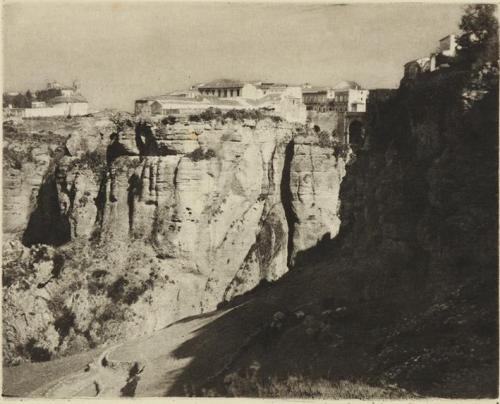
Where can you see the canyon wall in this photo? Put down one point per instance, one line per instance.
(406, 295)
(152, 223)
(419, 201)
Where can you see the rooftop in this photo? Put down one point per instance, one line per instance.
(222, 83)
(348, 85)
(447, 36)
(314, 89)
(71, 99)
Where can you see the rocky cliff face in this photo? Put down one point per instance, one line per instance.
(407, 293)
(419, 202)
(155, 223)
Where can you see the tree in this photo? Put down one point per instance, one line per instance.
(477, 50)
(20, 101)
(29, 98)
(478, 42)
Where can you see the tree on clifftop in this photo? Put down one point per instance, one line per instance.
(478, 42)
(29, 98)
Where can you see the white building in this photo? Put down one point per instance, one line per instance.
(75, 105)
(319, 99)
(226, 88)
(416, 67)
(350, 97)
(224, 94)
(38, 104)
(448, 45)
(66, 91)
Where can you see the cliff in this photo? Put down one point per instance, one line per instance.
(405, 299)
(137, 225)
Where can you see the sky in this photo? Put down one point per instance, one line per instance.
(121, 51)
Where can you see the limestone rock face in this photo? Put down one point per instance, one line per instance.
(315, 176)
(205, 209)
(30, 147)
(159, 222)
(20, 186)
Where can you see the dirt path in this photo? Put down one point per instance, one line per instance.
(141, 367)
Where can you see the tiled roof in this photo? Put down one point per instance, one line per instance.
(313, 90)
(267, 99)
(223, 101)
(222, 83)
(209, 101)
(348, 85)
(71, 99)
(266, 85)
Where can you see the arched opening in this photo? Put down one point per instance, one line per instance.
(356, 133)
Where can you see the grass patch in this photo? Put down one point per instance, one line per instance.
(302, 387)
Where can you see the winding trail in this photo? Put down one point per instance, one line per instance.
(145, 366)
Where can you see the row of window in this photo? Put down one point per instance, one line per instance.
(340, 108)
(222, 92)
(313, 98)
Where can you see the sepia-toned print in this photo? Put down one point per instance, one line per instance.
(265, 200)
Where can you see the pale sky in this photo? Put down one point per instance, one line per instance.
(123, 51)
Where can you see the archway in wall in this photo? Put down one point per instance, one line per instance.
(356, 133)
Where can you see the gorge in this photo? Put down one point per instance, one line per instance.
(271, 252)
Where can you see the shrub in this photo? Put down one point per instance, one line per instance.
(198, 154)
(211, 114)
(324, 138)
(92, 160)
(16, 158)
(121, 291)
(34, 352)
(169, 120)
(58, 264)
(117, 289)
(215, 114)
(64, 323)
(242, 114)
(339, 149)
(133, 294)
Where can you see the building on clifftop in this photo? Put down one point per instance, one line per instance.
(54, 100)
(274, 98)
